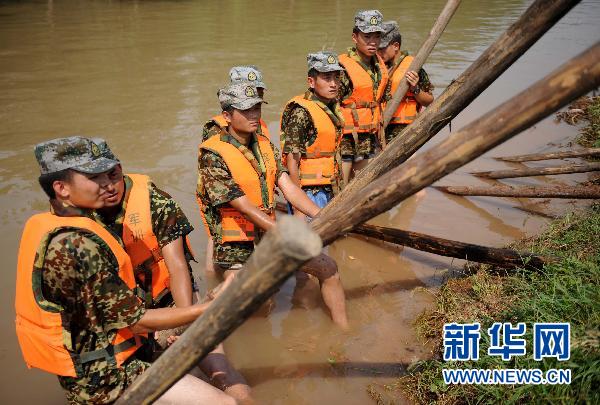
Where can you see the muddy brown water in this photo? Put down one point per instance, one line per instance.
(144, 76)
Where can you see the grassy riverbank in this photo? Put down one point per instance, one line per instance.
(567, 291)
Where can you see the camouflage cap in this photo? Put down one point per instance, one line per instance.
(240, 96)
(369, 21)
(323, 62)
(75, 152)
(247, 74)
(391, 30)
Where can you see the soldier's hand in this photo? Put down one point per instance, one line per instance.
(412, 78)
(218, 290)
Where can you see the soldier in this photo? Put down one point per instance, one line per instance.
(238, 74)
(78, 315)
(362, 90)
(311, 127)
(238, 171)
(154, 231)
(420, 92)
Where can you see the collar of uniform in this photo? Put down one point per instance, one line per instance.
(374, 62)
(247, 151)
(332, 109)
(62, 209)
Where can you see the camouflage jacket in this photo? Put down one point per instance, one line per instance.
(216, 187)
(168, 220)
(374, 70)
(79, 274)
(297, 128)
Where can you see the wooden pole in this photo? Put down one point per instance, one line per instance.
(281, 252)
(573, 79)
(506, 258)
(551, 155)
(578, 192)
(539, 171)
(420, 58)
(519, 37)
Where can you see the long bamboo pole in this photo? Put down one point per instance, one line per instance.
(506, 258)
(519, 37)
(551, 155)
(420, 58)
(539, 171)
(578, 192)
(572, 80)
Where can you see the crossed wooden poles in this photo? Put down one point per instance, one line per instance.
(388, 180)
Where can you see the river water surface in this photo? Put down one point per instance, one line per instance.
(144, 75)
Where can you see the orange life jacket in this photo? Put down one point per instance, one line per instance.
(43, 339)
(407, 110)
(317, 166)
(141, 243)
(234, 226)
(220, 121)
(362, 110)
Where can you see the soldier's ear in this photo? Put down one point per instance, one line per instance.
(62, 189)
(227, 116)
(311, 82)
(354, 37)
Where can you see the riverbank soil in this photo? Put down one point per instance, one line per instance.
(566, 291)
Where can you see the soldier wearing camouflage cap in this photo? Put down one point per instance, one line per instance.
(311, 127)
(78, 315)
(363, 86)
(238, 170)
(249, 74)
(420, 91)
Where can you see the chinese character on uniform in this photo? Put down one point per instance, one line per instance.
(461, 341)
(510, 346)
(551, 340)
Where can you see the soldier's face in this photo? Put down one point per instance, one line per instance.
(90, 191)
(389, 52)
(244, 121)
(367, 43)
(325, 85)
(115, 198)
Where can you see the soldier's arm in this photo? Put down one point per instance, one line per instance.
(424, 97)
(296, 196)
(171, 226)
(295, 128)
(252, 213)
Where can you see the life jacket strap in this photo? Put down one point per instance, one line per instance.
(109, 352)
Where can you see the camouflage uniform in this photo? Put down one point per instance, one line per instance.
(79, 274)
(393, 130)
(298, 130)
(75, 272)
(168, 223)
(216, 187)
(366, 141)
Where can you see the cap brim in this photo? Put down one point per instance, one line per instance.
(247, 104)
(329, 68)
(259, 85)
(96, 166)
(384, 44)
(371, 29)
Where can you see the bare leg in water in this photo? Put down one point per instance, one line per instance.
(325, 270)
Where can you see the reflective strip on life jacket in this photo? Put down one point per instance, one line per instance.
(317, 165)
(141, 243)
(44, 342)
(362, 109)
(235, 227)
(407, 109)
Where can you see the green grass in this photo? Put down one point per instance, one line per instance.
(590, 136)
(567, 291)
